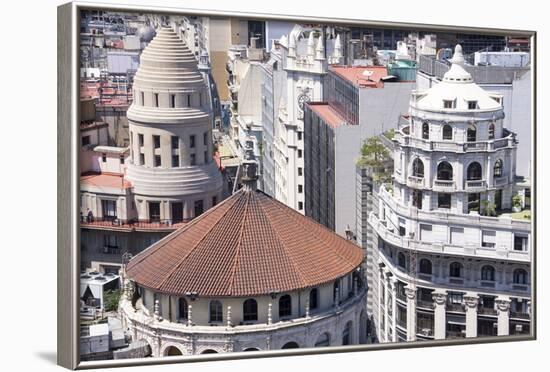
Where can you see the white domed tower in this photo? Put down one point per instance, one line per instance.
(453, 261)
(172, 170)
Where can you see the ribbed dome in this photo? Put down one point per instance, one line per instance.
(248, 245)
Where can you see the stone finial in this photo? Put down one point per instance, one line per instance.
(229, 316)
(157, 310)
(189, 315)
(320, 49)
(311, 45)
(270, 313)
(307, 308)
(458, 57)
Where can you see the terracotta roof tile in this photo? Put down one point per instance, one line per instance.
(250, 244)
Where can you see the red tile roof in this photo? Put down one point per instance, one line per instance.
(248, 245)
(327, 113)
(105, 180)
(362, 76)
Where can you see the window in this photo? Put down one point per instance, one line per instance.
(491, 131)
(104, 157)
(336, 291)
(188, 100)
(193, 160)
(156, 99)
(313, 299)
(142, 98)
(175, 161)
(175, 140)
(471, 133)
(488, 238)
(488, 273)
(109, 209)
(199, 208)
(192, 141)
(474, 171)
(156, 142)
(205, 138)
(121, 159)
(214, 200)
(110, 244)
(140, 139)
(300, 171)
(142, 159)
(448, 103)
(457, 235)
(183, 308)
(520, 276)
(346, 334)
(425, 266)
(300, 206)
(300, 189)
(172, 100)
(157, 161)
(250, 310)
(444, 171)
(216, 311)
(299, 136)
(285, 306)
(455, 270)
(154, 211)
(426, 233)
(425, 130)
(299, 153)
(443, 200)
(497, 169)
(447, 132)
(417, 198)
(206, 157)
(473, 202)
(401, 260)
(418, 168)
(85, 140)
(472, 105)
(520, 243)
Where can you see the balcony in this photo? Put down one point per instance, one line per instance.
(456, 334)
(444, 185)
(415, 182)
(486, 311)
(476, 185)
(455, 307)
(110, 223)
(499, 181)
(519, 315)
(424, 304)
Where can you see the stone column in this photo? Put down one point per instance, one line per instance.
(503, 312)
(440, 318)
(471, 301)
(380, 283)
(387, 304)
(410, 291)
(394, 308)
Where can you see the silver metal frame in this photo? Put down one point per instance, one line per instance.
(68, 231)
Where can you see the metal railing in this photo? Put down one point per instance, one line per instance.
(519, 315)
(113, 221)
(486, 310)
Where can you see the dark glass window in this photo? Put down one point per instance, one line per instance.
(216, 311)
(443, 200)
(285, 306)
(250, 310)
(455, 270)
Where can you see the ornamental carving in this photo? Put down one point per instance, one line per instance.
(502, 305)
(471, 301)
(440, 298)
(410, 293)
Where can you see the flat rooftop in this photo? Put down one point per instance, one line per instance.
(327, 113)
(104, 180)
(362, 76)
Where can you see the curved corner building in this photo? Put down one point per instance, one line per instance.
(171, 169)
(453, 261)
(249, 274)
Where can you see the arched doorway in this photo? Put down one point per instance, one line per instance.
(323, 340)
(291, 345)
(172, 351)
(209, 351)
(251, 349)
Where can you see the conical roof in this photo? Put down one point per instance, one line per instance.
(248, 245)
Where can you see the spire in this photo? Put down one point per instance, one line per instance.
(457, 74)
(311, 45)
(458, 57)
(320, 50)
(337, 52)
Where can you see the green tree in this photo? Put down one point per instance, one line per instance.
(374, 155)
(111, 299)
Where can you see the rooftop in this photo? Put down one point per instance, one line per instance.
(104, 180)
(327, 113)
(250, 244)
(362, 76)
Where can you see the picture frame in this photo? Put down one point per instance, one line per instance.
(68, 253)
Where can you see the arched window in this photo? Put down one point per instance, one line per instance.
(447, 132)
(444, 171)
(520, 276)
(336, 292)
(182, 307)
(216, 311)
(425, 130)
(285, 306)
(474, 171)
(471, 133)
(425, 266)
(497, 169)
(313, 298)
(290, 345)
(491, 131)
(455, 270)
(488, 273)
(401, 260)
(346, 334)
(418, 168)
(323, 340)
(209, 351)
(250, 310)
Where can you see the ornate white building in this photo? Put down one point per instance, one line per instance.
(133, 196)
(249, 274)
(451, 262)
